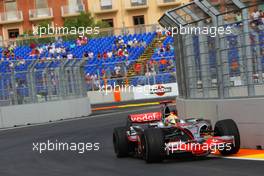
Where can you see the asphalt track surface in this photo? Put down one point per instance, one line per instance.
(17, 157)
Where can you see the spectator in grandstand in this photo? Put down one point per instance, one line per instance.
(11, 48)
(81, 40)
(98, 56)
(88, 81)
(64, 55)
(127, 63)
(135, 42)
(171, 65)
(103, 73)
(21, 61)
(120, 40)
(58, 57)
(78, 41)
(11, 65)
(95, 81)
(59, 40)
(85, 40)
(85, 55)
(120, 53)
(262, 16)
(58, 50)
(152, 65)
(91, 55)
(109, 54)
(34, 52)
(32, 45)
(137, 68)
(168, 33)
(255, 17)
(126, 54)
(117, 70)
(163, 64)
(115, 54)
(63, 50)
(150, 75)
(143, 43)
(157, 50)
(238, 18)
(159, 32)
(160, 50)
(163, 61)
(168, 47)
(105, 55)
(12, 56)
(21, 90)
(69, 56)
(40, 49)
(48, 58)
(52, 49)
(234, 67)
(129, 44)
(108, 73)
(115, 43)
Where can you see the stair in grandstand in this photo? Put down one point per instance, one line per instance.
(146, 56)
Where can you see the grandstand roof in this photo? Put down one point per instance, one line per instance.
(199, 10)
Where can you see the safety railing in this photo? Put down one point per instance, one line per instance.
(41, 82)
(214, 64)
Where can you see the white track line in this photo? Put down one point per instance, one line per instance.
(238, 158)
(251, 159)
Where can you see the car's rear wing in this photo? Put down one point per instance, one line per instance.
(146, 117)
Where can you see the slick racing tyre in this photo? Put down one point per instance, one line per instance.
(121, 144)
(228, 128)
(154, 145)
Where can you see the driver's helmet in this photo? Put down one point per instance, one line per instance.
(171, 120)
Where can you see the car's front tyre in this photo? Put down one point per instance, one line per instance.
(154, 145)
(120, 141)
(228, 128)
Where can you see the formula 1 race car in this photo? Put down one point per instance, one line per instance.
(147, 136)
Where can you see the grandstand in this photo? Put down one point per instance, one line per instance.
(146, 62)
(46, 59)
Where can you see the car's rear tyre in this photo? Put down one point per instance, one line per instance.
(154, 145)
(120, 141)
(228, 128)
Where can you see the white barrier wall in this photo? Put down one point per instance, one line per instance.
(44, 112)
(248, 114)
(156, 91)
(135, 93)
(100, 97)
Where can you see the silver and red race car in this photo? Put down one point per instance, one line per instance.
(145, 136)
